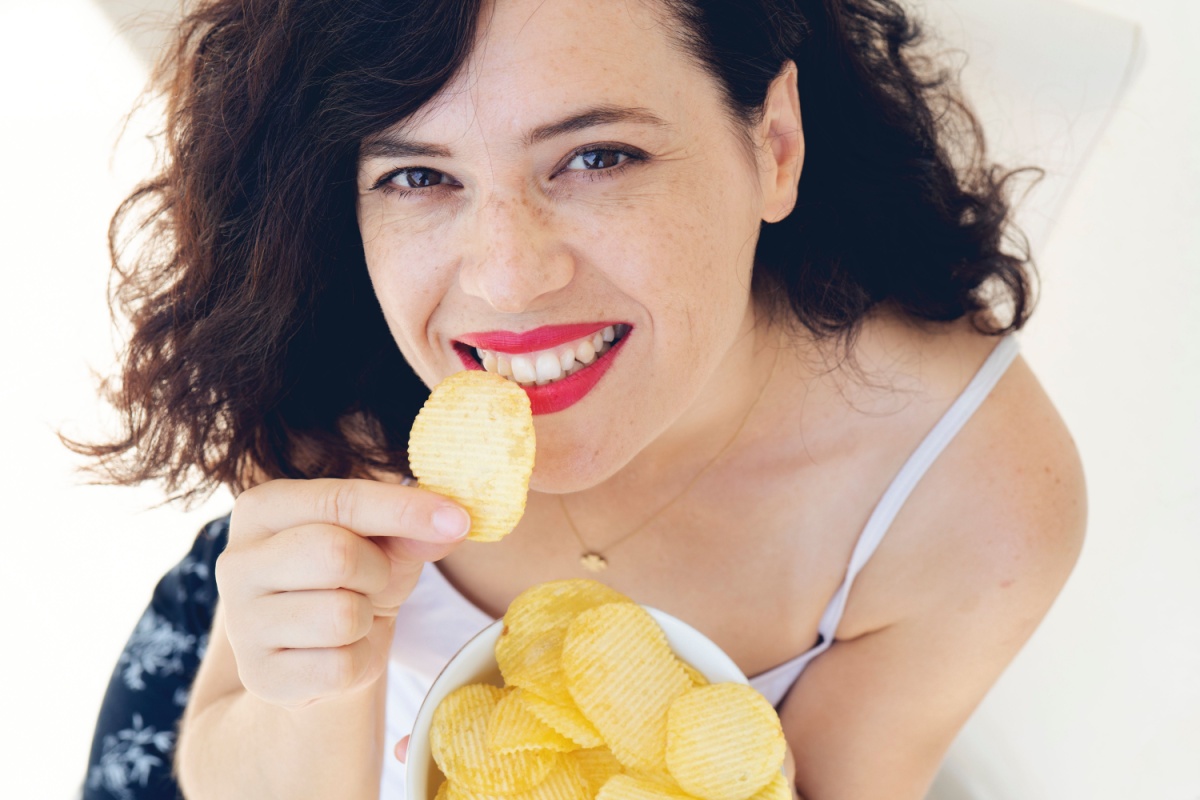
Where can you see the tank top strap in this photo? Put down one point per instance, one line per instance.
(914, 469)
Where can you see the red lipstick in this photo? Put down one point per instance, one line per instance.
(543, 338)
(560, 394)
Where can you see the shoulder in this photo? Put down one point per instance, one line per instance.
(1020, 511)
(969, 568)
(1004, 507)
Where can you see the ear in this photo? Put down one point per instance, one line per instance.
(781, 145)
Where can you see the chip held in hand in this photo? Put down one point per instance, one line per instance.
(473, 441)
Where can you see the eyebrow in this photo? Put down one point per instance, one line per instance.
(396, 145)
(596, 115)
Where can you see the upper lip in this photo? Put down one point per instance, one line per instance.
(542, 338)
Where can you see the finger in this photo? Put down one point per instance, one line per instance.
(414, 551)
(380, 638)
(405, 573)
(314, 619)
(300, 676)
(368, 508)
(315, 556)
(401, 751)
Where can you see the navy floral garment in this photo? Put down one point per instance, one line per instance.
(134, 744)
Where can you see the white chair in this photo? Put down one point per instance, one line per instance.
(1044, 77)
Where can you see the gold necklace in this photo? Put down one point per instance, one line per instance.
(594, 560)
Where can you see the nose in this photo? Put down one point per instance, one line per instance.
(519, 257)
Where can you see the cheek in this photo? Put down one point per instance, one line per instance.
(684, 252)
(408, 276)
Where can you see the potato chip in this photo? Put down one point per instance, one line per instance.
(562, 783)
(697, 677)
(529, 651)
(777, 789)
(514, 727)
(566, 719)
(624, 676)
(724, 742)
(595, 765)
(458, 740)
(473, 441)
(629, 787)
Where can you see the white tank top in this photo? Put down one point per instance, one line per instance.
(436, 620)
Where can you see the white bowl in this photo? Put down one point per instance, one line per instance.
(476, 663)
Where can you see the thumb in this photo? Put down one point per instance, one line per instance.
(401, 751)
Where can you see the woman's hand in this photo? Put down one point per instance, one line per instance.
(314, 574)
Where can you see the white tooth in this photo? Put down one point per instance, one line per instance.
(548, 367)
(522, 369)
(597, 342)
(608, 333)
(479, 351)
(489, 362)
(584, 352)
(503, 367)
(567, 359)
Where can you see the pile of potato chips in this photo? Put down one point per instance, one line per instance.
(596, 705)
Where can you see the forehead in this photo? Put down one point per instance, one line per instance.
(536, 60)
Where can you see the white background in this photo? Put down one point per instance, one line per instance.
(1104, 702)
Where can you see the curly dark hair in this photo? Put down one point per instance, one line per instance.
(257, 343)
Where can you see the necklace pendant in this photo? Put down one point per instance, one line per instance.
(593, 562)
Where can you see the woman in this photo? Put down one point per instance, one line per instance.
(783, 312)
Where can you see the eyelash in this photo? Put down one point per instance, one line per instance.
(632, 156)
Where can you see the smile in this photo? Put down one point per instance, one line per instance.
(555, 374)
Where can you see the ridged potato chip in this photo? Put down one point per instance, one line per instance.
(562, 783)
(566, 719)
(777, 789)
(458, 739)
(514, 727)
(629, 787)
(473, 441)
(693, 673)
(530, 648)
(724, 742)
(623, 677)
(595, 765)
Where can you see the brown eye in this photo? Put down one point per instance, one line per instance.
(599, 159)
(418, 177)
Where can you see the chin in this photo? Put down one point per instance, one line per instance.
(564, 470)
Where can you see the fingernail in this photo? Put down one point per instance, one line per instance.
(451, 522)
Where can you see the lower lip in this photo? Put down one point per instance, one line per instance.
(567, 392)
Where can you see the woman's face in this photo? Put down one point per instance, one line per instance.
(581, 174)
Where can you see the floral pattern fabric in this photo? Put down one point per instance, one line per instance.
(134, 743)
